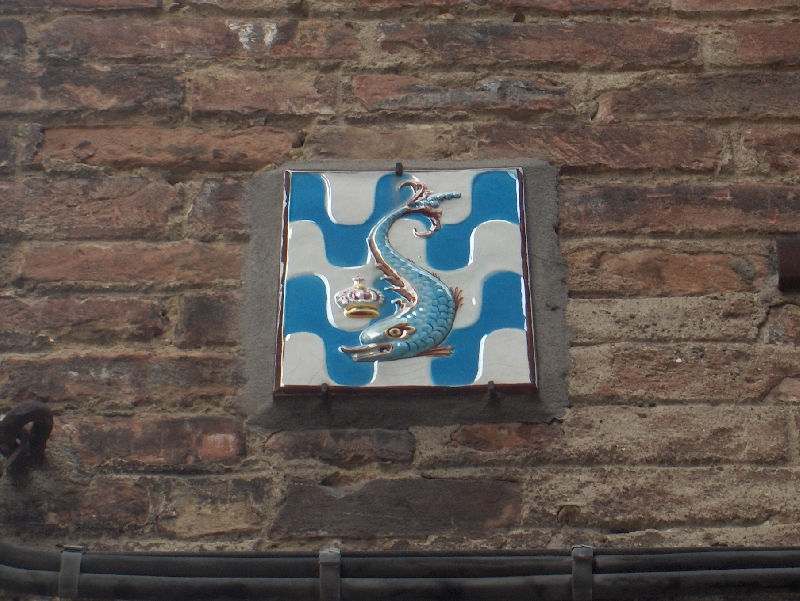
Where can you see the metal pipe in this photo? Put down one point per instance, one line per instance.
(546, 576)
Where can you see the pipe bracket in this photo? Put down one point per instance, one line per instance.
(582, 573)
(330, 574)
(70, 572)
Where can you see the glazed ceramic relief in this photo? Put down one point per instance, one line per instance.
(418, 280)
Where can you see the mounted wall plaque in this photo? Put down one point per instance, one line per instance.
(401, 282)
(385, 297)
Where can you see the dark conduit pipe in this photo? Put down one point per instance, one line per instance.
(584, 575)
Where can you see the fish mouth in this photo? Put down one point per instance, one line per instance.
(368, 352)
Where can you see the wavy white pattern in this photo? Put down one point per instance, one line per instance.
(303, 362)
(350, 197)
(503, 357)
(494, 247)
(415, 371)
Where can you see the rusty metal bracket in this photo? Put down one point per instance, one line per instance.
(23, 447)
(788, 263)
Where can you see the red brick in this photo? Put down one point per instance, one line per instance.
(678, 209)
(63, 89)
(50, 504)
(130, 263)
(767, 43)
(585, 45)
(98, 5)
(656, 273)
(703, 97)
(220, 206)
(731, 5)
(12, 40)
(208, 320)
(417, 142)
(783, 326)
(41, 322)
(181, 149)
(157, 441)
(18, 143)
(778, 149)
(787, 391)
(626, 499)
(573, 6)
(508, 438)
(216, 506)
(728, 318)
(96, 208)
(345, 448)
(605, 147)
(246, 92)
(559, 6)
(686, 435)
(197, 39)
(694, 373)
(132, 378)
(404, 507)
(504, 94)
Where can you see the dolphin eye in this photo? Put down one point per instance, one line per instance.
(400, 331)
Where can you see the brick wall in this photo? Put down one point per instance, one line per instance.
(128, 129)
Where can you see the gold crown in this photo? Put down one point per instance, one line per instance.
(359, 302)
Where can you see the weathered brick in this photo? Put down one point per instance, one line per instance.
(388, 142)
(95, 208)
(130, 263)
(625, 499)
(51, 504)
(345, 448)
(605, 147)
(74, 88)
(220, 206)
(404, 507)
(687, 435)
(703, 97)
(208, 320)
(504, 94)
(729, 318)
(778, 149)
(157, 441)
(18, 144)
(691, 6)
(689, 372)
(585, 45)
(768, 43)
(277, 92)
(573, 6)
(787, 391)
(212, 506)
(181, 149)
(132, 378)
(559, 6)
(99, 5)
(678, 209)
(783, 326)
(40, 322)
(12, 40)
(198, 39)
(595, 272)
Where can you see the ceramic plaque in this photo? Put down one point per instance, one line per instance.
(404, 282)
